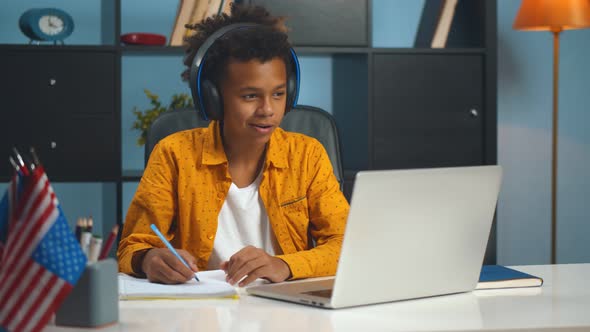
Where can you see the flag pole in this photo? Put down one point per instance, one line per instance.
(16, 168)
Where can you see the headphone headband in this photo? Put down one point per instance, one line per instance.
(196, 70)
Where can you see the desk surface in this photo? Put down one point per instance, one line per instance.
(563, 302)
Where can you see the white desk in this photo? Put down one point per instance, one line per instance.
(562, 303)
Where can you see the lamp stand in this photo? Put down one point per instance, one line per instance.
(554, 146)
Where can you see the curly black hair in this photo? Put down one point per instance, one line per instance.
(265, 42)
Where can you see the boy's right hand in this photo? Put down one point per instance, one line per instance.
(160, 265)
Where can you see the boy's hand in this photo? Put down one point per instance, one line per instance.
(160, 265)
(254, 263)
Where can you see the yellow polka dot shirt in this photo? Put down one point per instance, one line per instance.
(187, 179)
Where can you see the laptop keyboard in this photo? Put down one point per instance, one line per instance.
(327, 293)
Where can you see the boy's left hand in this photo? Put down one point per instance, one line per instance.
(254, 263)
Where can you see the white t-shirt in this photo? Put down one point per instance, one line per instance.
(242, 222)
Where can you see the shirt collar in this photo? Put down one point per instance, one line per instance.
(214, 154)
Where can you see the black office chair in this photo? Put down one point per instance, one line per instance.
(168, 123)
(308, 120)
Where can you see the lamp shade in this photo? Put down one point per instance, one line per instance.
(553, 15)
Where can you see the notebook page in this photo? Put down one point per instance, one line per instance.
(212, 285)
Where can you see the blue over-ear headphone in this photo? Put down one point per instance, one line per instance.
(206, 95)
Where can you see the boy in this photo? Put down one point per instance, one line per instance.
(241, 194)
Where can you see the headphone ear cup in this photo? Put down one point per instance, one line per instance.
(211, 101)
(291, 91)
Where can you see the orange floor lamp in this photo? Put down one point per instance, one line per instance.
(554, 16)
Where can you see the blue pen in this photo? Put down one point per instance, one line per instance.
(157, 231)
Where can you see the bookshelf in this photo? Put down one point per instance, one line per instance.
(367, 93)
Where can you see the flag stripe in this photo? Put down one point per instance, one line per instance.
(33, 309)
(34, 232)
(42, 229)
(42, 203)
(9, 280)
(14, 249)
(39, 212)
(53, 306)
(19, 224)
(32, 187)
(39, 201)
(32, 276)
(9, 284)
(42, 304)
(41, 290)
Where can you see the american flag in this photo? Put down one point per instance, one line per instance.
(41, 260)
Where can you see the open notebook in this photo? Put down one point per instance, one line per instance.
(212, 285)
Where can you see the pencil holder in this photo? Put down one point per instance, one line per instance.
(94, 301)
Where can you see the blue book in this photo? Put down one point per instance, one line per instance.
(497, 276)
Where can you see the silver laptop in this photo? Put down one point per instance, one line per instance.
(410, 234)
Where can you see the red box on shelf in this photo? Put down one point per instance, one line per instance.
(141, 38)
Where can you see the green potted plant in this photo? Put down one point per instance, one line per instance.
(144, 119)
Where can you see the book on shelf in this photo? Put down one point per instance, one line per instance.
(225, 6)
(213, 8)
(435, 23)
(183, 16)
(195, 11)
(445, 19)
(212, 284)
(217, 7)
(428, 22)
(498, 276)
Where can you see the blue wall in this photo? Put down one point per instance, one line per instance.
(84, 200)
(524, 143)
(395, 22)
(524, 115)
